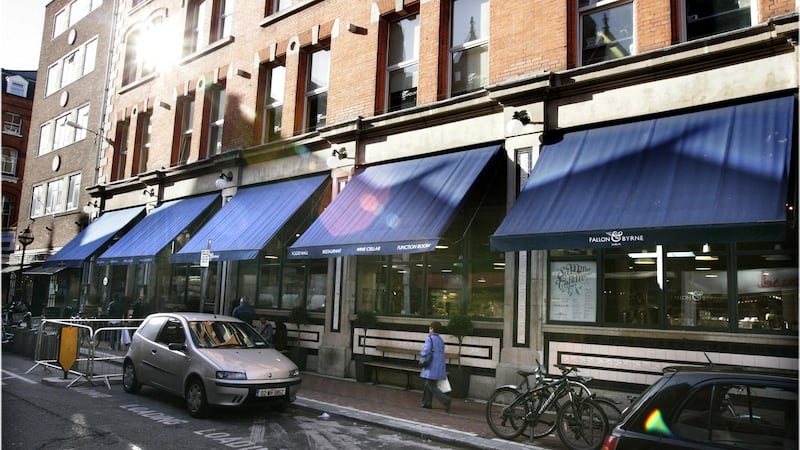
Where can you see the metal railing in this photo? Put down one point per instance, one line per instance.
(99, 350)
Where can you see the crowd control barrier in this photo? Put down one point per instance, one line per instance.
(88, 349)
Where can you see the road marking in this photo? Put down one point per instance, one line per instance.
(18, 377)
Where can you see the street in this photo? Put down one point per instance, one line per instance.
(50, 416)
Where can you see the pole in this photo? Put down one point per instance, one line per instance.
(205, 257)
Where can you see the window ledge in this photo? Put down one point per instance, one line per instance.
(137, 83)
(208, 49)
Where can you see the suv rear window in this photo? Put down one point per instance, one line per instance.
(747, 416)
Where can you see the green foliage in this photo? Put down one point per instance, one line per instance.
(460, 325)
(366, 320)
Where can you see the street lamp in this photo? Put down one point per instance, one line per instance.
(25, 239)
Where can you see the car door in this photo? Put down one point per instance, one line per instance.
(169, 366)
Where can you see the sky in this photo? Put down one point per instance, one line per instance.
(21, 33)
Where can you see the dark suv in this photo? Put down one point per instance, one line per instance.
(712, 407)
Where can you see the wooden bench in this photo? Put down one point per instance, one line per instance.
(409, 368)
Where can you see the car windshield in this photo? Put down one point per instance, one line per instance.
(220, 334)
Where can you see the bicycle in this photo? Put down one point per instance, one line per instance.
(564, 403)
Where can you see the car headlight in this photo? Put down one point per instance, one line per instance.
(294, 373)
(225, 375)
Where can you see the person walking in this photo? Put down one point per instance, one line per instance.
(245, 311)
(436, 370)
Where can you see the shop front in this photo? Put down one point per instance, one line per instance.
(669, 240)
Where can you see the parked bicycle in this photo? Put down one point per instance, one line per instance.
(565, 404)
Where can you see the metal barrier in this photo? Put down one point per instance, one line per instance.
(100, 347)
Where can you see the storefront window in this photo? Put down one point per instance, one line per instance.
(246, 283)
(696, 286)
(269, 284)
(630, 287)
(767, 288)
(460, 275)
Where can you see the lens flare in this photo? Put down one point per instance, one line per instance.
(655, 424)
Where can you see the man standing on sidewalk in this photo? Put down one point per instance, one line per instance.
(436, 370)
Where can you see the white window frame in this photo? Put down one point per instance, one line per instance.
(224, 19)
(481, 41)
(16, 85)
(54, 203)
(12, 123)
(401, 66)
(10, 160)
(73, 191)
(53, 78)
(60, 21)
(37, 201)
(312, 94)
(145, 127)
(187, 124)
(46, 136)
(216, 120)
(270, 106)
(195, 16)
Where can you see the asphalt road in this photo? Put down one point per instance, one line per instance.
(36, 415)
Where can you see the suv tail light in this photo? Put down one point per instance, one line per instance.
(610, 443)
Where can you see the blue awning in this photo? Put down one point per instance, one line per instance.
(93, 237)
(394, 208)
(156, 231)
(249, 220)
(719, 175)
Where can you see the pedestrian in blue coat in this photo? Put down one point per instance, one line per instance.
(437, 370)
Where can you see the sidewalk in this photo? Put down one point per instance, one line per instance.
(394, 408)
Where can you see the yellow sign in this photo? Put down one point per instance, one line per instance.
(68, 348)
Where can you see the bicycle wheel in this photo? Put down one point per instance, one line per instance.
(546, 422)
(506, 411)
(613, 413)
(582, 425)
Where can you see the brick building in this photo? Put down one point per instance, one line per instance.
(403, 157)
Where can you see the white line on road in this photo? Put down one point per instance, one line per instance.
(18, 377)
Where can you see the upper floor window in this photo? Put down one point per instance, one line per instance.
(222, 20)
(705, 17)
(194, 22)
(131, 65)
(16, 85)
(10, 157)
(403, 63)
(469, 46)
(184, 122)
(144, 131)
(606, 29)
(317, 75)
(280, 5)
(72, 13)
(216, 119)
(273, 88)
(120, 161)
(37, 201)
(51, 197)
(75, 65)
(9, 203)
(12, 123)
(64, 130)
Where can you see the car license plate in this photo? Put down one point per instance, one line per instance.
(272, 392)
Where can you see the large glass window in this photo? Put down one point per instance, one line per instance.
(708, 17)
(121, 150)
(73, 191)
(46, 138)
(469, 46)
(606, 30)
(403, 62)
(54, 202)
(274, 85)
(144, 133)
(194, 23)
(223, 19)
(319, 65)
(749, 287)
(37, 201)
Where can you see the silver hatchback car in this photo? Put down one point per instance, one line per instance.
(209, 360)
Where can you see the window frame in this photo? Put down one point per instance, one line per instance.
(317, 96)
(184, 124)
(217, 101)
(465, 47)
(401, 66)
(596, 6)
(684, 26)
(144, 134)
(12, 123)
(10, 161)
(272, 111)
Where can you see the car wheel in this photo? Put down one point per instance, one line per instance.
(196, 400)
(129, 381)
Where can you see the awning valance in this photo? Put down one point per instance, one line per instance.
(719, 175)
(394, 208)
(156, 230)
(93, 237)
(249, 220)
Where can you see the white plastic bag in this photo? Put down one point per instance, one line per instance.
(444, 385)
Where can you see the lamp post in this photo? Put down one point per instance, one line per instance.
(25, 239)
